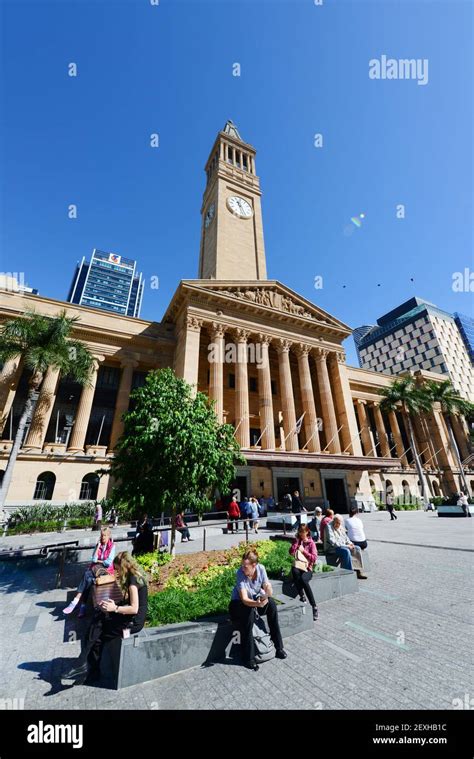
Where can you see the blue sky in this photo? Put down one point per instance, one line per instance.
(304, 70)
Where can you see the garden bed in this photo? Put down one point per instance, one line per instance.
(197, 585)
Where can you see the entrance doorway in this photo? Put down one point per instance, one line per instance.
(239, 489)
(335, 490)
(286, 485)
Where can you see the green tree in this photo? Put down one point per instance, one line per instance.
(405, 394)
(173, 453)
(40, 342)
(451, 404)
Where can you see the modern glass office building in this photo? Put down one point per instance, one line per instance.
(466, 328)
(109, 282)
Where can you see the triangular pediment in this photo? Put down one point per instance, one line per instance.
(267, 296)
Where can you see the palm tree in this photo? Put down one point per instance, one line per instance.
(404, 393)
(451, 404)
(40, 342)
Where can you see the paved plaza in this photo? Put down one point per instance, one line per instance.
(402, 642)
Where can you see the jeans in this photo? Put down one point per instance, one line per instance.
(233, 523)
(301, 580)
(345, 556)
(86, 584)
(242, 617)
(184, 532)
(361, 543)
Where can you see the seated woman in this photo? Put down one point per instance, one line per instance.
(337, 542)
(112, 619)
(304, 551)
(253, 591)
(143, 541)
(102, 558)
(355, 529)
(182, 527)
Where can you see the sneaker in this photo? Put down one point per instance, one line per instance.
(302, 599)
(76, 672)
(281, 654)
(315, 613)
(361, 575)
(253, 666)
(82, 611)
(69, 609)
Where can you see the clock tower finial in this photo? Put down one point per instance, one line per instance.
(232, 246)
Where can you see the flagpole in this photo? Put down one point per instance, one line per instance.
(294, 429)
(264, 431)
(337, 433)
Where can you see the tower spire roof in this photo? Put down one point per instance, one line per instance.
(232, 130)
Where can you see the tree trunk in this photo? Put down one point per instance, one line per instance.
(419, 468)
(173, 532)
(455, 448)
(27, 410)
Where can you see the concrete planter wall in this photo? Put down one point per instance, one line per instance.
(453, 511)
(159, 651)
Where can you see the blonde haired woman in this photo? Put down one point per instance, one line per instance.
(101, 563)
(112, 619)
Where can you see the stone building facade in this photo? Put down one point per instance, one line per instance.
(272, 361)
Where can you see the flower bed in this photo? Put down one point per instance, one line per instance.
(198, 585)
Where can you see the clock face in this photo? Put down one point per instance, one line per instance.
(239, 207)
(209, 215)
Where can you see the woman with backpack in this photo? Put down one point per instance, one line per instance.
(252, 595)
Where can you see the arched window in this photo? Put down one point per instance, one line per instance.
(388, 486)
(44, 487)
(89, 487)
(406, 491)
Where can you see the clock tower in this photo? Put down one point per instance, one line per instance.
(232, 232)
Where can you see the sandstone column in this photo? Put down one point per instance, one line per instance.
(310, 419)
(460, 436)
(43, 410)
(123, 398)
(287, 397)
(186, 363)
(216, 377)
(81, 422)
(397, 436)
(9, 379)
(242, 419)
(382, 435)
(265, 400)
(365, 431)
(327, 404)
(344, 405)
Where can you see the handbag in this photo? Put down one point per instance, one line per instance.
(98, 570)
(301, 562)
(106, 587)
(264, 648)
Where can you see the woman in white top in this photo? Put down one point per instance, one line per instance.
(355, 528)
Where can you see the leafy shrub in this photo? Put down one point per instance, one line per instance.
(151, 563)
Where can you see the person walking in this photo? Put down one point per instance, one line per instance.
(297, 507)
(463, 501)
(246, 512)
(97, 516)
(233, 514)
(254, 513)
(390, 509)
(253, 594)
(305, 556)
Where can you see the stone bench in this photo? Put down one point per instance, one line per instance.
(159, 651)
(330, 559)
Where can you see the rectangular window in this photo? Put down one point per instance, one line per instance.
(232, 381)
(274, 387)
(253, 387)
